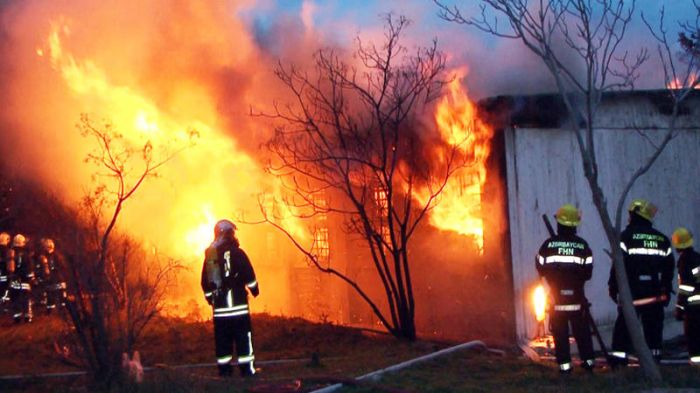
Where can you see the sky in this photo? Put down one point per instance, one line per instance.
(486, 56)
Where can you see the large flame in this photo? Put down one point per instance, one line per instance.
(459, 207)
(215, 178)
(539, 302)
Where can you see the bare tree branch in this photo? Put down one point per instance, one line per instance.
(351, 135)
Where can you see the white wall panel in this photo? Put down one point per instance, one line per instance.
(544, 170)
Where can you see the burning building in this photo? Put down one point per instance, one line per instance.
(543, 171)
(159, 72)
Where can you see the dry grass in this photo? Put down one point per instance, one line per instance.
(169, 344)
(343, 352)
(473, 372)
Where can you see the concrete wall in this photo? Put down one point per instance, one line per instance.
(544, 170)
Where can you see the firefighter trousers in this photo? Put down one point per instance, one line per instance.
(4, 293)
(21, 304)
(559, 326)
(228, 330)
(692, 332)
(55, 295)
(652, 318)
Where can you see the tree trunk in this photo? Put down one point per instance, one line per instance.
(634, 328)
(408, 325)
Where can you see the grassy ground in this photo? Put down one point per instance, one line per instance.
(473, 372)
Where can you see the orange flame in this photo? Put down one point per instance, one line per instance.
(677, 84)
(214, 179)
(459, 206)
(539, 302)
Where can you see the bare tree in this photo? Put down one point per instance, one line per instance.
(115, 288)
(579, 41)
(690, 38)
(351, 149)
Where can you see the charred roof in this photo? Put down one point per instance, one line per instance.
(647, 109)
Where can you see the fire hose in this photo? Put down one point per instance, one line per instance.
(586, 303)
(376, 375)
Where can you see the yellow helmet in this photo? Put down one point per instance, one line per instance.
(4, 239)
(643, 208)
(682, 238)
(568, 215)
(19, 240)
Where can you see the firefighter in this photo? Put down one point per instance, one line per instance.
(4, 261)
(227, 276)
(688, 302)
(40, 278)
(50, 270)
(649, 264)
(565, 261)
(21, 278)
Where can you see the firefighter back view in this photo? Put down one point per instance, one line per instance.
(227, 276)
(688, 303)
(21, 277)
(648, 261)
(4, 262)
(50, 269)
(565, 261)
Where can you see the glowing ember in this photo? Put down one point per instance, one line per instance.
(539, 302)
(459, 206)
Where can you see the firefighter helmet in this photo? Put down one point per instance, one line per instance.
(19, 240)
(568, 215)
(643, 208)
(48, 245)
(4, 239)
(682, 238)
(224, 227)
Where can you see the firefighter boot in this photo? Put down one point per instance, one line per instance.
(588, 365)
(225, 370)
(247, 370)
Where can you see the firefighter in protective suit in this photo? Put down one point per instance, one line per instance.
(21, 276)
(227, 276)
(565, 261)
(688, 302)
(648, 260)
(4, 262)
(50, 271)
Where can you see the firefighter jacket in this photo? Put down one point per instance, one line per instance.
(21, 275)
(688, 279)
(226, 274)
(5, 254)
(49, 270)
(648, 260)
(566, 262)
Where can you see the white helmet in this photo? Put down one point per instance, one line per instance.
(224, 228)
(19, 240)
(48, 245)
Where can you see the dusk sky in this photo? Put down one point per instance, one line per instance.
(340, 21)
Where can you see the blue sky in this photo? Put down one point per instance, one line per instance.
(340, 21)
